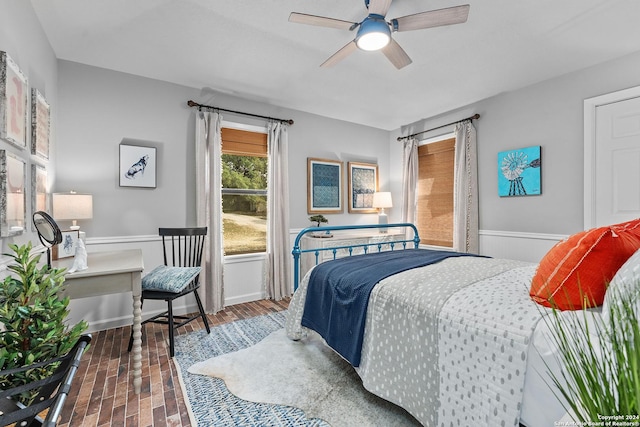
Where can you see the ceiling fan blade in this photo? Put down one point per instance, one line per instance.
(320, 21)
(340, 55)
(379, 7)
(432, 18)
(396, 54)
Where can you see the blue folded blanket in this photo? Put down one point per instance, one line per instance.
(338, 294)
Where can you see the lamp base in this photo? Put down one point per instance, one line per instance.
(382, 219)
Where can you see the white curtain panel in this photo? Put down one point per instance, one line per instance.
(465, 189)
(278, 262)
(409, 179)
(209, 207)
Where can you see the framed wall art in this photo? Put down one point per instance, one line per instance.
(137, 166)
(39, 189)
(12, 194)
(40, 124)
(67, 248)
(519, 172)
(14, 96)
(363, 182)
(324, 186)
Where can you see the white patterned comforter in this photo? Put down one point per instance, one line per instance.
(447, 342)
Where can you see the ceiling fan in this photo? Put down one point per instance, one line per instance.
(374, 32)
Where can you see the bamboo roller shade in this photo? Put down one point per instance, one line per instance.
(244, 143)
(435, 192)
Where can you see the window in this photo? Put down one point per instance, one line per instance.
(244, 191)
(435, 192)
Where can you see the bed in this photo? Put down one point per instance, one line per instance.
(457, 342)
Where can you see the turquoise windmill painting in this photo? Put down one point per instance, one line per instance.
(519, 172)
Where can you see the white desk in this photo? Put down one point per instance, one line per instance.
(111, 273)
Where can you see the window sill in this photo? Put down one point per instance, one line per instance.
(255, 257)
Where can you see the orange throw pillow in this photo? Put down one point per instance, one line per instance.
(575, 272)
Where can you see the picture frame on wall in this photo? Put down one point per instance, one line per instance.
(519, 172)
(137, 166)
(39, 181)
(363, 182)
(67, 248)
(324, 186)
(12, 194)
(14, 96)
(40, 124)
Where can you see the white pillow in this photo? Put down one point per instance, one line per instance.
(625, 285)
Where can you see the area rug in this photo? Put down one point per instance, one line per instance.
(274, 381)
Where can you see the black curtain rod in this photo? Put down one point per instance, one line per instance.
(191, 103)
(474, 117)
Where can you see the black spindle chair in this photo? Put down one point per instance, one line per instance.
(182, 247)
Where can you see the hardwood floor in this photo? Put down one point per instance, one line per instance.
(102, 393)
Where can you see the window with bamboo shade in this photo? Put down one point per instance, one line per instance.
(435, 193)
(244, 191)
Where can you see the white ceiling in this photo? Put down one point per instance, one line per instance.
(250, 50)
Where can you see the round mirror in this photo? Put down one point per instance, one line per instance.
(48, 231)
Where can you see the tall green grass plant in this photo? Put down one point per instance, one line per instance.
(600, 360)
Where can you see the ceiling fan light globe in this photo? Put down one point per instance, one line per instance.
(374, 33)
(373, 41)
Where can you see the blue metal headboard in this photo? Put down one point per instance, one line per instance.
(399, 244)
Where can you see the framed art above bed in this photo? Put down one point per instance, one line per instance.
(363, 182)
(324, 186)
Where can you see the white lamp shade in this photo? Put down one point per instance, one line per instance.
(72, 206)
(382, 199)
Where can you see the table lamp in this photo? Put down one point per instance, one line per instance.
(72, 207)
(381, 200)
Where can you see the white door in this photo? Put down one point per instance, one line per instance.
(616, 161)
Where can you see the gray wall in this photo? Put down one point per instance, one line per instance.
(549, 114)
(100, 108)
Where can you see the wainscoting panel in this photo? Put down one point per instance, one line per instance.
(529, 247)
(244, 273)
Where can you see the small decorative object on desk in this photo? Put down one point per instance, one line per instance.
(67, 247)
(320, 219)
(80, 260)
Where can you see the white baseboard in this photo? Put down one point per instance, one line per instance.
(121, 321)
(243, 298)
(127, 320)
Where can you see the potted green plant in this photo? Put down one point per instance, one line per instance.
(33, 319)
(600, 379)
(318, 219)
